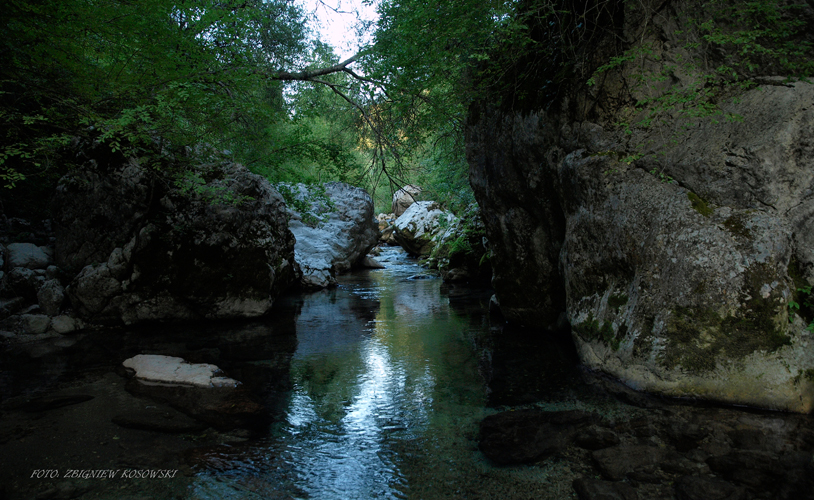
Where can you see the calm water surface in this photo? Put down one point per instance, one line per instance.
(376, 388)
(392, 373)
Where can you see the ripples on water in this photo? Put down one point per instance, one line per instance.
(389, 381)
(376, 390)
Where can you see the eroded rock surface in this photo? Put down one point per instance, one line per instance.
(334, 227)
(677, 258)
(213, 245)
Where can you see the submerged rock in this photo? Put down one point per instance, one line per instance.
(213, 245)
(596, 489)
(521, 436)
(159, 420)
(334, 227)
(707, 488)
(681, 452)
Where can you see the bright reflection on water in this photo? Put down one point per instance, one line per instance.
(387, 393)
(370, 359)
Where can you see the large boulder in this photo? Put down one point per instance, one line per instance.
(419, 227)
(28, 255)
(403, 198)
(119, 200)
(334, 227)
(679, 270)
(214, 244)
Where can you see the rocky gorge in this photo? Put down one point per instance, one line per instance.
(594, 280)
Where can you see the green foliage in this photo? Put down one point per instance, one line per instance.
(193, 183)
(417, 134)
(660, 175)
(803, 294)
(460, 245)
(592, 329)
(169, 83)
(727, 48)
(310, 201)
(617, 301)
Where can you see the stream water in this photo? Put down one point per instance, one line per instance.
(375, 389)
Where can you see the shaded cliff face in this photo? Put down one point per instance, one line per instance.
(675, 250)
(148, 250)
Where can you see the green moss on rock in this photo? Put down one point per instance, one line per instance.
(736, 226)
(616, 301)
(591, 329)
(643, 342)
(699, 337)
(795, 273)
(699, 205)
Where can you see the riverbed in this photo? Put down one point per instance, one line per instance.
(373, 389)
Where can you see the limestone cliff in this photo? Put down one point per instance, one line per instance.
(674, 248)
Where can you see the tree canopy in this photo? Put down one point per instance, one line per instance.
(151, 79)
(173, 82)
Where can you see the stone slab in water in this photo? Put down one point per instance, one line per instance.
(159, 369)
(198, 390)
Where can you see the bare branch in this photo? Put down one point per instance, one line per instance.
(309, 75)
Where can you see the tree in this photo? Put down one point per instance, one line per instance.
(166, 81)
(423, 58)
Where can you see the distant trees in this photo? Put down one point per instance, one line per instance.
(159, 80)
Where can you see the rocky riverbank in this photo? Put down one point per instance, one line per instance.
(129, 245)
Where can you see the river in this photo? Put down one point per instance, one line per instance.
(375, 389)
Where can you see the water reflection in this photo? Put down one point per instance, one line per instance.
(368, 363)
(376, 389)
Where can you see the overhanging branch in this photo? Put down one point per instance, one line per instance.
(310, 75)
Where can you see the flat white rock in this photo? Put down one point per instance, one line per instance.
(171, 370)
